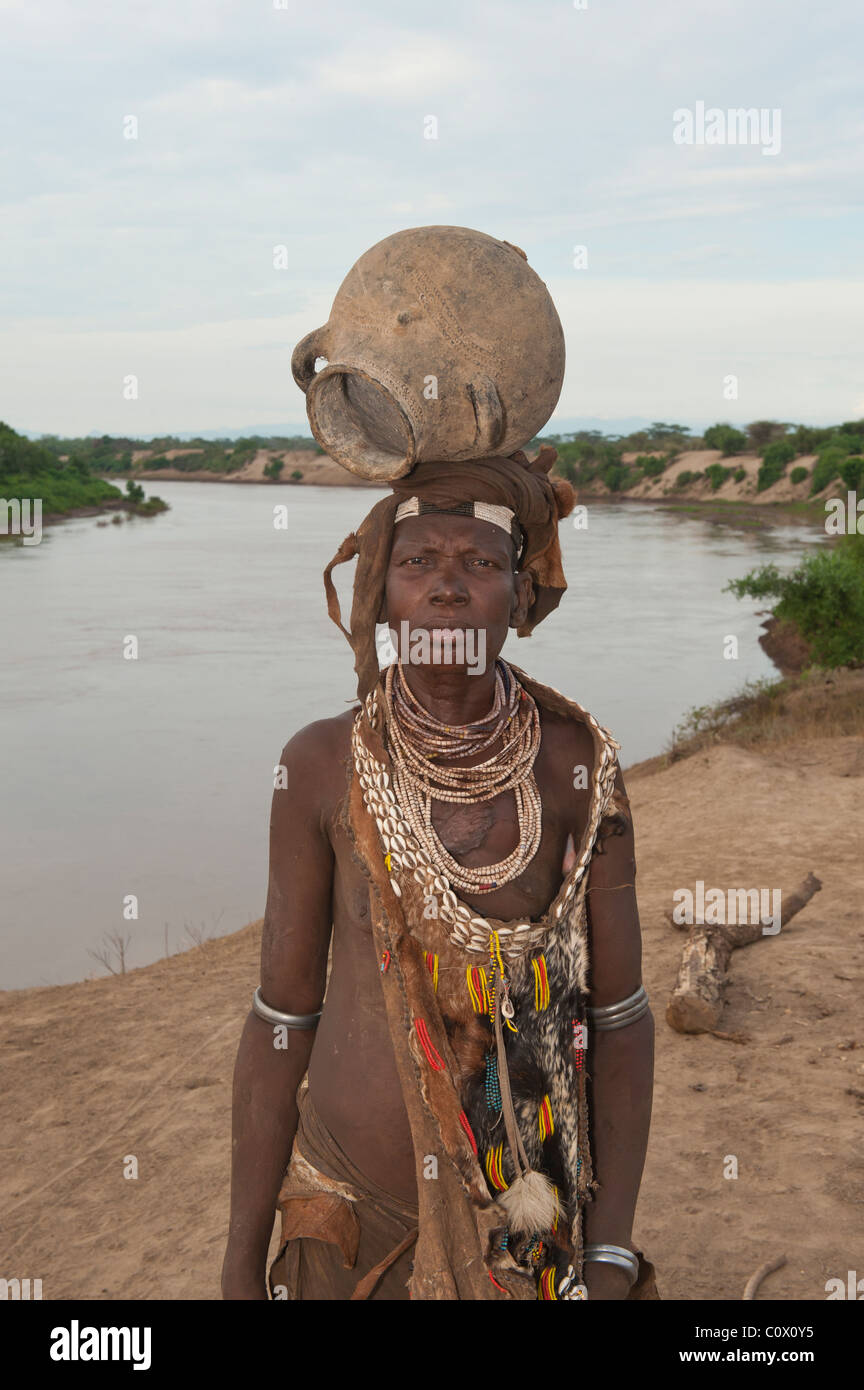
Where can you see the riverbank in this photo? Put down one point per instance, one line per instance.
(318, 470)
(315, 470)
(140, 1064)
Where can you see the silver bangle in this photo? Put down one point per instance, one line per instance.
(614, 1255)
(610, 1016)
(276, 1016)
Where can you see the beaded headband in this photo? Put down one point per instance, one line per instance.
(483, 511)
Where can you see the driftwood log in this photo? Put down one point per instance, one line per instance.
(696, 1001)
(762, 1273)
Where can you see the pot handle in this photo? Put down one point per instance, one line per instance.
(304, 355)
(488, 414)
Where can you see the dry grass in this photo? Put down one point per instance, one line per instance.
(817, 704)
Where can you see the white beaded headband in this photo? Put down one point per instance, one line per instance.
(483, 511)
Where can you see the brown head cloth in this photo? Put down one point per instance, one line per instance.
(537, 501)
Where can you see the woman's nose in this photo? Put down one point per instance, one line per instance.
(448, 586)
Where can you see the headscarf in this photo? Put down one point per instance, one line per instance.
(537, 500)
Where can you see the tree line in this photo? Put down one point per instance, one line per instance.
(589, 454)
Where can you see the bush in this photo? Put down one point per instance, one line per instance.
(725, 438)
(651, 465)
(686, 478)
(296, 475)
(798, 475)
(781, 452)
(827, 468)
(767, 476)
(614, 475)
(823, 597)
(774, 460)
(852, 473)
(151, 507)
(59, 493)
(740, 474)
(274, 468)
(717, 475)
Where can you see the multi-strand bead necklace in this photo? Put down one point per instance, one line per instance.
(419, 743)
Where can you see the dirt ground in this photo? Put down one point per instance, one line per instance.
(140, 1065)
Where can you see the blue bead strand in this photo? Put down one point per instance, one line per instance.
(493, 1087)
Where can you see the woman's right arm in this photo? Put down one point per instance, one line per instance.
(294, 949)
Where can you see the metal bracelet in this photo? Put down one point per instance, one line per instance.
(276, 1016)
(610, 1016)
(614, 1255)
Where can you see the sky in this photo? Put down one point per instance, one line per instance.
(296, 125)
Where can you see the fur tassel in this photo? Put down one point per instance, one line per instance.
(530, 1203)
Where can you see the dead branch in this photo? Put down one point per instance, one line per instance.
(762, 1273)
(696, 1002)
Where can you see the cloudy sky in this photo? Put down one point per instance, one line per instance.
(302, 125)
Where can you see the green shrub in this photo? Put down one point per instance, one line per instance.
(725, 438)
(798, 475)
(780, 451)
(823, 596)
(774, 460)
(651, 465)
(852, 472)
(717, 475)
(614, 475)
(274, 468)
(740, 474)
(297, 475)
(827, 467)
(686, 478)
(59, 493)
(151, 506)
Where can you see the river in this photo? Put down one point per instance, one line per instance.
(153, 777)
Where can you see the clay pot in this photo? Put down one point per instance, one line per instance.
(442, 343)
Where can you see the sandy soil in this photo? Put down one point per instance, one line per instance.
(141, 1065)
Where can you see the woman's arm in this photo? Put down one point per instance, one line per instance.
(621, 1062)
(294, 948)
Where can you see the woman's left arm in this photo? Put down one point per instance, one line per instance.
(620, 1061)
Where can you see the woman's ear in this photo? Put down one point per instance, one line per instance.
(522, 599)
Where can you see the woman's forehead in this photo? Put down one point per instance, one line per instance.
(439, 531)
